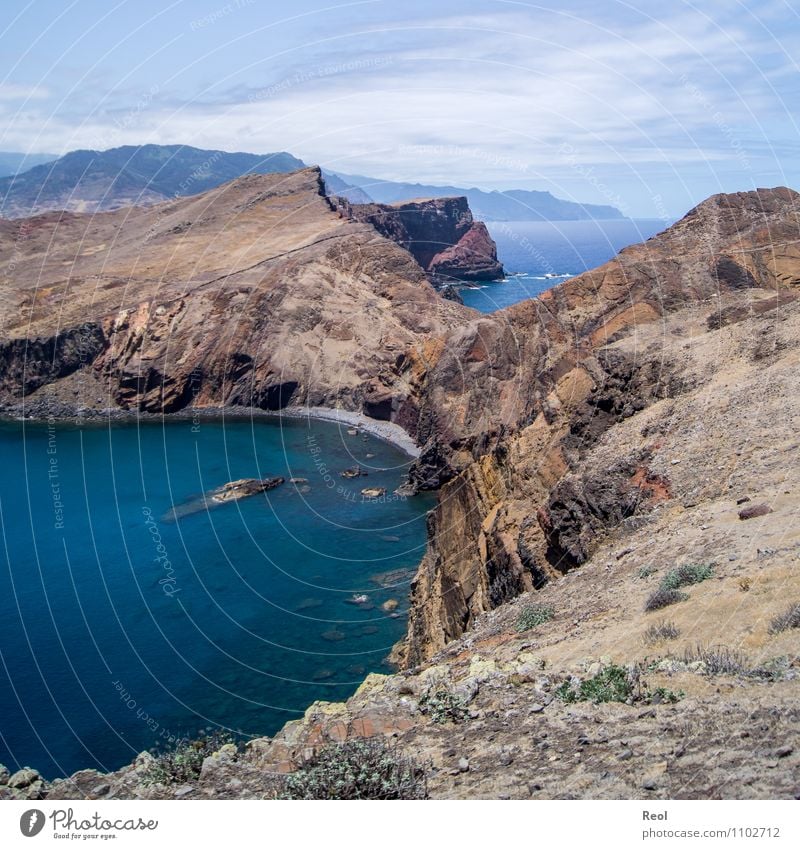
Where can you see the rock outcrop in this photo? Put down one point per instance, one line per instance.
(518, 401)
(257, 293)
(440, 233)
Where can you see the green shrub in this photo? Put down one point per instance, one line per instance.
(646, 572)
(443, 705)
(788, 619)
(686, 575)
(612, 684)
(661, 632)
(663, 597)
(182, 763)
(663, 696)
(359, 769)
(532, 615)
(616, 684)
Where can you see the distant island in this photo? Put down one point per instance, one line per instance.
(100, 181)
(512, 205)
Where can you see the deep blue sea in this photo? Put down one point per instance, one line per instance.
(122, 628)
(530, 250)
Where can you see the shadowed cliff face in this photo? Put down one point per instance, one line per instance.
(518, 400)
(256, 293)
(440, 233)
(263, 292)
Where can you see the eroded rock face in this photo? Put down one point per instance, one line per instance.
(440, 233)
(518, 400)
(257, 293)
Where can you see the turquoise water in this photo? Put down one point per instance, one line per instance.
(529, 250)
(120, 629)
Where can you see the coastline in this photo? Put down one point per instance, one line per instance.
(387, 431)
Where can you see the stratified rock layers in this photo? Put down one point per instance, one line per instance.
(440, 233)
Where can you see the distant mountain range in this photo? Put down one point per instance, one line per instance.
(514, 205)
(14, 163)
(95, 181)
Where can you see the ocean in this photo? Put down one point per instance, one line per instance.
(123, 628)
(538, 255)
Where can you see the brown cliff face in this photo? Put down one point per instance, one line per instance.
(261, 293)
(440, 233)
(519, 399)
(257, 293)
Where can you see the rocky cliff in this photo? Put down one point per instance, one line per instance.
(619, 471)
(440, 233)
(258, 293)
(521, 503)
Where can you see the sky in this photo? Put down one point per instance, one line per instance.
(649, 106)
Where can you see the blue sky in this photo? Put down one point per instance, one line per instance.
(651, 106)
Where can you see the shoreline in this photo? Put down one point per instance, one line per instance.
(386, 431)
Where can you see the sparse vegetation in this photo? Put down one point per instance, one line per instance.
(721, 660)
(358, 769)
(663, 696)
(182, 763)
(686, 575)
(663, 597)
(616, 684)
(532, 615)
(669, 592)
(646, 572)
(612, 684)
(745, 584)
(443, 705)
(661, 632)
(718, 660)
(790, 618)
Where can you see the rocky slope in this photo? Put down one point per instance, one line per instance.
(639, 418)
(257, 293)
(520, 503)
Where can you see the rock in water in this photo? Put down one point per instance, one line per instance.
(244, 488)
(232, 491)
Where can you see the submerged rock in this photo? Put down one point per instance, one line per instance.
(232, 491)
(244, 488)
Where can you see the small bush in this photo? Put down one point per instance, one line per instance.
(616, 684)
(661, 632)
(663, 597)
(443, 705)
(686, 575)
(359, 769)
(719, 660)
(788, 619)
(532, 615)
(663, 696)
(612, 684)
(646, 572)
(774, 669)
(183, 762)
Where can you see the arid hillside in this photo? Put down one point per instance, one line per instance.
(610, 602)
(258, 293)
